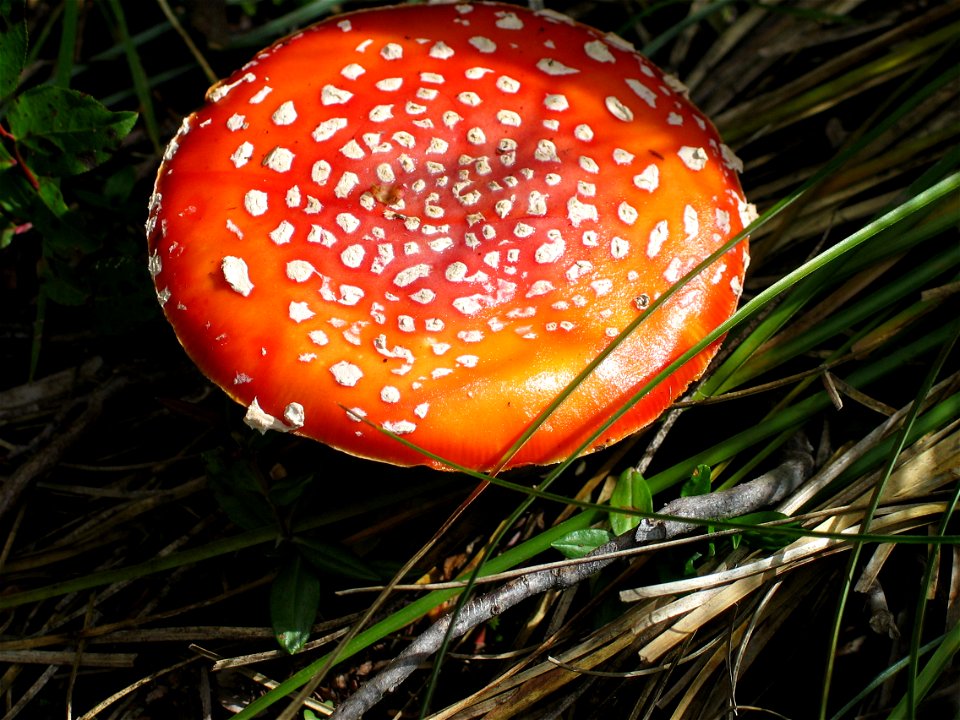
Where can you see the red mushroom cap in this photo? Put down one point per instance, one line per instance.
(435, 217)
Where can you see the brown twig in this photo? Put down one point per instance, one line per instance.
(46, 458)
(748, 497)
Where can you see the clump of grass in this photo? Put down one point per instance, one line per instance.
(149, 536)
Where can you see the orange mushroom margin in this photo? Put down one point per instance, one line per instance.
(434, 217)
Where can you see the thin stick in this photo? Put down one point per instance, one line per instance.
(748, 497)
(43, 461)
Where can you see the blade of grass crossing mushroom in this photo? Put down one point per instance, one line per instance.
(615, 343)
(754, 305)
(746, 311)
(903, 434)
(753, 356)
(719, 380)
(744, 363)
(945, 187)
(824, 173)
(872, 308)
(412, 612)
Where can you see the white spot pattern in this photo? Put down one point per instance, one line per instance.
(476, 215)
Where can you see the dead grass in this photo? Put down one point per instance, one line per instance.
(134, 584)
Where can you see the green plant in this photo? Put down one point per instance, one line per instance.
(164, 530)
(49, 133)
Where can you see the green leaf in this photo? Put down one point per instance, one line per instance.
(760, 539)
(690, 564)
(13, 49)
(64, 290)
(112, 194)
(119, 185)
(288, 490)
(632, 492)
(15, 197)
(311, 715)
(579, 543)
(49, 193)
(7, 233)
(237, 491)
(329, 558)
(294, 599)
(65, 132)
(43, 210)
(699, 482)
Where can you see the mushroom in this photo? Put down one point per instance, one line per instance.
(432, 218)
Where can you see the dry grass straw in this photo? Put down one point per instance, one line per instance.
(789, 83)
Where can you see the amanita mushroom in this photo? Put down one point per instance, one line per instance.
(433, 218)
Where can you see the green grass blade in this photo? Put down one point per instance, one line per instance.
(269, 31)
(748, 359)
(137, 73)
(901, 441)
(919, 684)
(415, 610)
(68, 45)
(880, 679)
(940, 663)
(942, 189)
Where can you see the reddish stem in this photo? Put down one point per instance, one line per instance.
(31, 178)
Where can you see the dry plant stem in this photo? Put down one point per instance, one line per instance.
(68, 657)
(290, 712)
(43, 460)
(833, 470)
(188, 41)
(259, 678)
(748, 497)
(882, 621)
(953, 589)
(45, 393)
(31, 692)
(117, 696)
